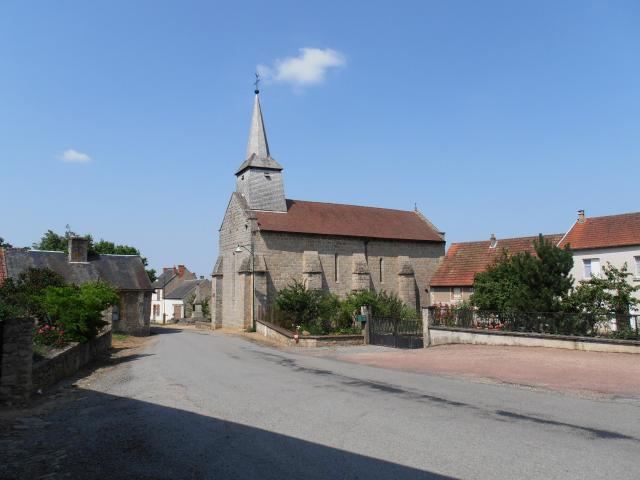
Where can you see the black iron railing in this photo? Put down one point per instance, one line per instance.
(396, 332)
(555, 323)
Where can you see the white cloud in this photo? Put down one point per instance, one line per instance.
(308, 68)
(74, 156)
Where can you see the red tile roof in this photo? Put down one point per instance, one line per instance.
(603, 232)
(348, 220)
(464, 260)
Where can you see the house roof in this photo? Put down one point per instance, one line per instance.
(164, 278)
(125, 272)
(464, 260)
(348, 220)
(604, 232)
(183, 290)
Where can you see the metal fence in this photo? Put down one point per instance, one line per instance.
(555, 323)
(396, 332)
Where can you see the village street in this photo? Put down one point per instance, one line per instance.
(198, 404)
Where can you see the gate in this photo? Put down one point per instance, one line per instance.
(395, 332)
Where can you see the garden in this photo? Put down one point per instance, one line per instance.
(64, 313)
(536, 293)
(313, 312)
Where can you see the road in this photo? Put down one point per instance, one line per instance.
(205, 405)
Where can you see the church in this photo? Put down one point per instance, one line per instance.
(268, 240)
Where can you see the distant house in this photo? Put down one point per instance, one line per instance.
(170, 279)
(596, 241)
(453, 281)
(124, 272)
(178, 302)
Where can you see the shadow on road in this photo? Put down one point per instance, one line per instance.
(162, 330)
(124, 438)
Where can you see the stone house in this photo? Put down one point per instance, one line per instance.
(270, 240)
(124, 272)
(596, 241)
(453, 280)
(170, 279)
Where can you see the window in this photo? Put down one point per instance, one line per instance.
(381, 270)
(591, 267)
(335, 268)
(456, 294)
(637, 259)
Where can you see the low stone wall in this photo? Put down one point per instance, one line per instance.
(203, 325)
(67, 362)
(447, 336)
(16, 359)
(287, 338)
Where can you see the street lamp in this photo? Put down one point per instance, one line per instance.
(239, 249)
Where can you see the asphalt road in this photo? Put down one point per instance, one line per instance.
(203, 405)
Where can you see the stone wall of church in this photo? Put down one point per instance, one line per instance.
(235, 230)
(349, 264)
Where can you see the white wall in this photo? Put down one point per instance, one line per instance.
(617, 256)
(166, 307)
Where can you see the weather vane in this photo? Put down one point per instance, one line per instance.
(257, 82)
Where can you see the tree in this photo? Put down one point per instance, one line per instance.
(4, 244)
(78, 310)
(524, 282)
(22, 297)
(606, 294)
(60, 243)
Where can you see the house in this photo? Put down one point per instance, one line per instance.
(453, 280)
(179, 302)
(267, 241)
(124, 272)
(170, 279)
(596, 241)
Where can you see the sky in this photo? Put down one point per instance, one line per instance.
(127, 119)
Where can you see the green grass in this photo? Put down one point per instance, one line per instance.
(119, 336)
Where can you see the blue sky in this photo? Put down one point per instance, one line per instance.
(502, 117)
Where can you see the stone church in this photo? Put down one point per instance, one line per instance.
(332, 247)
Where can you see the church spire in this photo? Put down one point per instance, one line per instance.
(257, 144)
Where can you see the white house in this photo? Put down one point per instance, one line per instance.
(170, 279)
(596, 241)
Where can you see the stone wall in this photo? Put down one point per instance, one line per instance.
(16, 359)
(67, 362)
(284, 337)
(135, 312)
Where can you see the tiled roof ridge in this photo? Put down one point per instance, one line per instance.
(351, 205)
(500, 239)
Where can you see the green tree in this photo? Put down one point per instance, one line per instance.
(78, 310)
(53, 241)
(22, 297)
(526, 282)
(4, 244)
(606, 294)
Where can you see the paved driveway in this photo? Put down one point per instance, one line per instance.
(202, 405)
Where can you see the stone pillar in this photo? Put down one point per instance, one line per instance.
(406, 282)
(216, 294)
(311, 270)
(16, 361)
(360, 277)
(426, 321)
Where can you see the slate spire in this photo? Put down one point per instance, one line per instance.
(257, 147)
(257, 144)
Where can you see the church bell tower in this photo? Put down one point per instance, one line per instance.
(259, 178)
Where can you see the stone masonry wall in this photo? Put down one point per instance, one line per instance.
(16, 360)
(283, 254)
(135, 312)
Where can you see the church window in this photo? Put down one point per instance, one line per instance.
(267, 176)
(381, 269)
(335, 268)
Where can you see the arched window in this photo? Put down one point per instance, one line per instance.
(381, 270)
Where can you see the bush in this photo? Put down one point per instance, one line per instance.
(50, 336)
(22, 297)
(322, 313)
(78, 310)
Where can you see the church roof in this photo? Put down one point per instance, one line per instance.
(257, 147)
(348, 220)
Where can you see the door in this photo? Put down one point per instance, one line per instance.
(177, 311)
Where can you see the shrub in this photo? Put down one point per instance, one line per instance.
(382, 304)
(50, 336)
(22, 297)
(78, 310)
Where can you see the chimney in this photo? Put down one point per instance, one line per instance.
(78, 249)
(493, 240)
(181, 271)
(580, 216)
